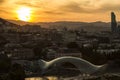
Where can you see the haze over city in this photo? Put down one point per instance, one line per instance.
(58, 10)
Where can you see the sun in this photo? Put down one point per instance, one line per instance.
(24, 14)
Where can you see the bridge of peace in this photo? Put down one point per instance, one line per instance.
(81, 66)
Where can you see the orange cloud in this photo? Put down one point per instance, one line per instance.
(54, 10)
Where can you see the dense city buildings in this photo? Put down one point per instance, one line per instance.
(22, 41)
(33, 42)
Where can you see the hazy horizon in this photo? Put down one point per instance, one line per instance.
(58, 21)
(63, 10)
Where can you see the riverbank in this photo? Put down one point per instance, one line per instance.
(80, 77)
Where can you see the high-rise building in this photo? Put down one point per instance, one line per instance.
(113, 22)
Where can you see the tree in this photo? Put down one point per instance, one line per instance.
(38, 49)
(5, 63)
(17, 72)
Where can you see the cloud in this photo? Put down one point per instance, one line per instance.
(74, 7)
(2, 1)
(71, 7)
(27, 4)
(53, 12)
(3, 11)
(109, 7)
(61, 9)
(92, 6)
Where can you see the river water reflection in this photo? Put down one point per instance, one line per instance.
(39, 78)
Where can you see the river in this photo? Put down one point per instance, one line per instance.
(39, 78)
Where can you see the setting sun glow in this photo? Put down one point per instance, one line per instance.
(24, 14)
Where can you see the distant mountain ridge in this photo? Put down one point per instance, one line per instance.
(89, 26)
(6, 22)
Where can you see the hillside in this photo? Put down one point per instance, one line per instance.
(91, 26)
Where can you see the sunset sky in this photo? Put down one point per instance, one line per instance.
(59, 10)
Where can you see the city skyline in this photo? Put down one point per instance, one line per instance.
(64, 10)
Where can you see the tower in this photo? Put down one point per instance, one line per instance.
(113, 22)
